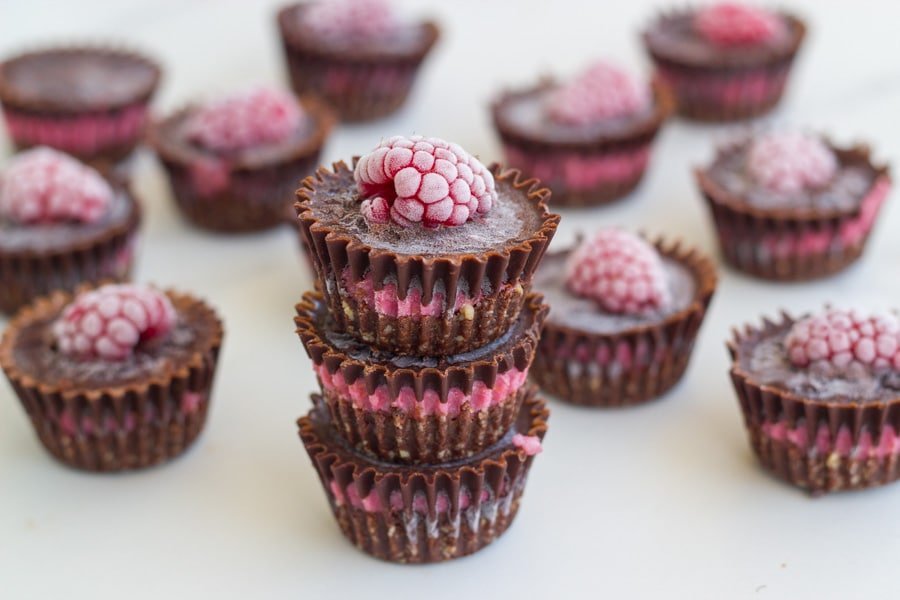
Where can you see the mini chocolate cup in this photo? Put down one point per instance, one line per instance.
(130, 426)
(28, 273)
(428, 513)
(804, 464)
(360, 85)
(745, 232)
(659, 352)
(690, 81)
(529, 147)
(59, 115)
(420, 433)
(500, 277)
(238, 194)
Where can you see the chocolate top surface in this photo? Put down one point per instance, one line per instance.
(674, 37)
(584, 314)
(765, 361)
(854, 178)
(35, 353)
(59, 237)
(513, 218)
(81, 79)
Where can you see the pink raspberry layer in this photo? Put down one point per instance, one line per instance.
(823, 443)
(582, 172)
(372, 503)
(339, 80)
(480, 398)
(68, 424)
(750, 88)
(617, 358)
(83, 135)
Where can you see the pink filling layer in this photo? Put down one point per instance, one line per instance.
(823, 443)
(750, 88)
(341, 80)
(480, 398)
(372, 503)
(623, 354)
(85, 134)
(191, 402)
(579, 171)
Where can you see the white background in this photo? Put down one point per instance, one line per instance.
(663, 501)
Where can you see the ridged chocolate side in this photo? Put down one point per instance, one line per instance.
(162, 429)
(26, 274)
(740, 225)
(502, 467)
(816, 472)
(668, 345)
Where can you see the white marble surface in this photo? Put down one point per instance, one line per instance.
(663, 501)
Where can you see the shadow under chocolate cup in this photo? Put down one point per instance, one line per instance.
(419, 291)
(422, 514)
(817, 444)
(795, 244)
(361, 84)
(590, 166)
(419, 409)
(628, 363)
(107, 416)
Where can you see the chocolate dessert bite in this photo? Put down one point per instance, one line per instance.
(725, 61)
(820, 395)
(61, 225)
(789, 206)
(112, 378)
(624, 315)
(359, 56)
(587, 139)
(88, 101)
(235, 163)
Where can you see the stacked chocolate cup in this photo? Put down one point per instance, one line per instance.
(425, 428)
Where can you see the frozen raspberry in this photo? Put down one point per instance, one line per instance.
(791, 162)
(245, 119)
(349, 18)
(46, 186)
(844, 340)
(601, 92)
(423, 180)
(110, 321)
(736, 24)
(619, 270)
(529, 444)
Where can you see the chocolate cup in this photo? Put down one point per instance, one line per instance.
(135, 425)
(535, 147)
(15, 105)
(667, 346)
(506, 272)
(416, 436)
(28, 273)
(743, 228)
(689, 80)
(414, 513)
(810, 469)
(364, 97)
(256, 192)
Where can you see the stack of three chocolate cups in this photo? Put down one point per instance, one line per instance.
(421, 338)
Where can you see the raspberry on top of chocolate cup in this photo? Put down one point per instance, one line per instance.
(624, 314)
(793, 206)
(234, 162)
(61, 225)
(420, 249)
(588, 138)
(116, 377)
(819, 395)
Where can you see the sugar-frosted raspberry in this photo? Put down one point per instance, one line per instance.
(603, 91)
(423, 180)
(845, 339)
(245, 119)
(529, 444)
(110, 321)
(791, 162)
(736, 24)
(619, 270)
(46, 186)
(349, 18)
